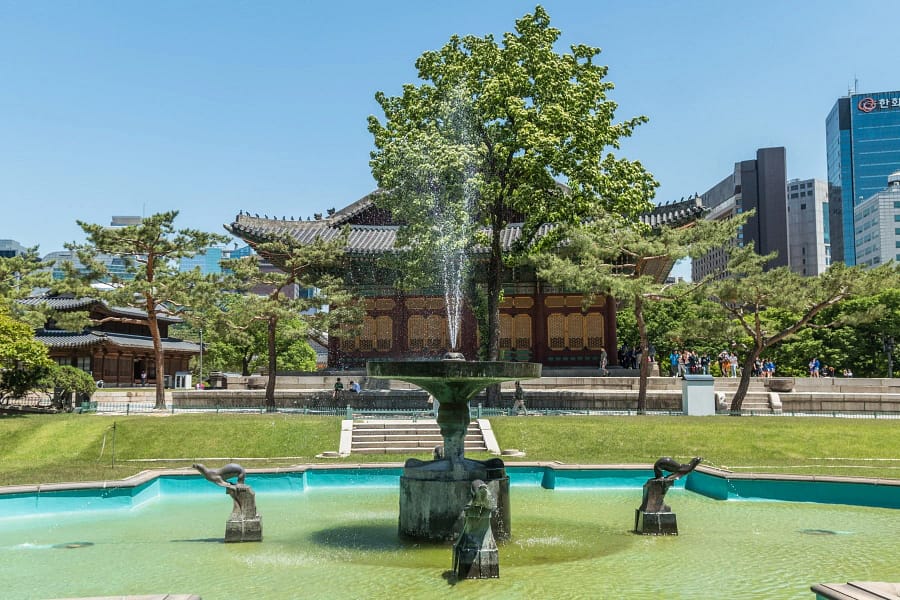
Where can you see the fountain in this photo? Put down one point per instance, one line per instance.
(433, 493)
(336, 537)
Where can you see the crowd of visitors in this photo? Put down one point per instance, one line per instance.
(682, 362)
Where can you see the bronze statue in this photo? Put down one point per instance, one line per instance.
(654, 516)
(677, 470)
(221, 476)
(244, 524)
(475, 554)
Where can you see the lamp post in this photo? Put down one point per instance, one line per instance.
(201, 358)
(889, 350)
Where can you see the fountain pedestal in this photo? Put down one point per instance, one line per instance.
(434, 493)
(244, 524)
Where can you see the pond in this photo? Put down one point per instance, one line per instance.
(338, 539)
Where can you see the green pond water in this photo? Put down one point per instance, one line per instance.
(342, 543)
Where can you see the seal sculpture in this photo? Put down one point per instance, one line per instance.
(221, 476)
(677, 470)
(244, 524)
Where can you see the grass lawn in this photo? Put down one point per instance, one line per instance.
(69, 447)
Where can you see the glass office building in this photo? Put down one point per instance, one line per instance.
(862, 137)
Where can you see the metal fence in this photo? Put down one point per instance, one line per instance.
(477, 411)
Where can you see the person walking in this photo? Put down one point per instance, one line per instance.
(519, 403)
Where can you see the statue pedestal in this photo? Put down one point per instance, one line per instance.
(655, 523)
(244, 524)
(476, 559)
(433, 495)
(244, 530)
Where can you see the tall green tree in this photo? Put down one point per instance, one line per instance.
(616, 256)
(484, 139)
(772, 305)
(152, 281)
(24, 361)
(307, 266)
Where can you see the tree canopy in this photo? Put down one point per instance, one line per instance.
(488, 135)
(23, 360)
(772, 305)
(151, 280)
(626, 259)
(306, 266)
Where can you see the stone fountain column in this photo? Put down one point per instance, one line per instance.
(434, 493)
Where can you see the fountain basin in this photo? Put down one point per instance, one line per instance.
(452, 381)
(331, 533)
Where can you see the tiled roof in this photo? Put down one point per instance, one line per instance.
(65, 303)
(372, 239)
(60, 302)
(68, 339)
(363, 239)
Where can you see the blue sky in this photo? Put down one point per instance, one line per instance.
(129, 108)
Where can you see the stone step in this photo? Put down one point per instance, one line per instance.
(409, 444)
(408, 431)
(409, 450)
(400, 438)
(396, 436)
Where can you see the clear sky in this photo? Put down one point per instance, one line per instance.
(210, 107)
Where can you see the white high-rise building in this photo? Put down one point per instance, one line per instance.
(877, 225)
(809, 246)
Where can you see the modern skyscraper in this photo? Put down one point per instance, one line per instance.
(862, 138)
(759, 185)
(10, 248)
(877, 221)
(810, 245)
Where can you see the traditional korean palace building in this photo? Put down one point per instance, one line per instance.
(537, 322)
(115, 352)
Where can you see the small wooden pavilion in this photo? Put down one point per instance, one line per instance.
(117, 350)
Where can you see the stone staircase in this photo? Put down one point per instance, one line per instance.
(407, 437)
(756, 400)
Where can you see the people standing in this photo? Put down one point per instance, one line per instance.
(338, 390)
(604, 360)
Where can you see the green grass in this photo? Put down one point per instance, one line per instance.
(69, 447)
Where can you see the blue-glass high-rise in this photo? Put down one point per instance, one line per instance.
(862, 138)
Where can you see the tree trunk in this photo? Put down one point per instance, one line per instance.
(157, 356)
(644, 364)
(744, 385)
(270, 383)
(494, 288)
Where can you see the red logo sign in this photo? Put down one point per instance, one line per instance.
(867, 105)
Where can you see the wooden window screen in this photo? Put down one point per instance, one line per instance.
(593, 325)
(575, 331)
(506, 331)
(415, 332)
(523, 332)
(556, 331)
(384, 333)
(435, 332)
(367, 336)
